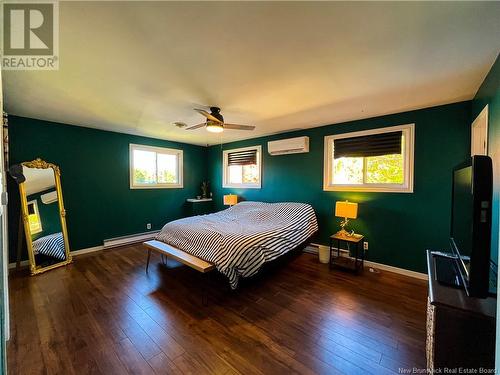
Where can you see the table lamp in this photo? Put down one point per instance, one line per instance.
(347, 210)
(230, 199)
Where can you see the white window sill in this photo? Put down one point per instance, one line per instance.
(172, 186)
(241, 186)
(369, 189)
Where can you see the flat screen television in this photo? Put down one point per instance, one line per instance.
(471, 223)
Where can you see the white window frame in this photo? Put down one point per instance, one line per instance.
(406, 187)
(158, 150)
(225, 169)
(37, 213)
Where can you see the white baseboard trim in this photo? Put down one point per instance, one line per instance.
(24, 263)
(401, 271)
(133, 238)
(313, 249)
(75, 253)
(108, 244)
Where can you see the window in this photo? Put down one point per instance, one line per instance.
(155, 167)
(373, 160)
(242, 167)
(34, 217)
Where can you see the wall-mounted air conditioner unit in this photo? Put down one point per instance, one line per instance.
(49, 197)
(288, 146)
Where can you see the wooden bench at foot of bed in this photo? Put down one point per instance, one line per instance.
(189, 260)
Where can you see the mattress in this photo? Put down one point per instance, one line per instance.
(240, 239)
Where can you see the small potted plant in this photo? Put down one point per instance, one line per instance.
(205, 187)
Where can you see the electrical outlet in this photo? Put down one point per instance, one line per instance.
(365, 245)
(148, 226)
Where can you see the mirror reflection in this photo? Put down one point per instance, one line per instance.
(43, 216)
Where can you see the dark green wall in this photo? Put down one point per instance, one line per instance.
(399, 226)
(100, 205)
(489, 94)
(95, 180)
(49, 215)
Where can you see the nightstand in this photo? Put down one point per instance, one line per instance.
(201, 206)
(346, 263)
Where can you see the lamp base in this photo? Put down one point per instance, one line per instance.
(344, 233)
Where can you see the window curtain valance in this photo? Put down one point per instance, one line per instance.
(248, 157)
(369, 145)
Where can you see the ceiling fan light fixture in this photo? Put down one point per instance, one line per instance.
(214, 122)
(214, 127)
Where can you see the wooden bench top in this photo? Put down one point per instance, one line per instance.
(180, 256)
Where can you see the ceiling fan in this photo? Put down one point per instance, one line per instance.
(215, 122)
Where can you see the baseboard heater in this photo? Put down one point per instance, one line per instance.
(130, 239)
(313, 248)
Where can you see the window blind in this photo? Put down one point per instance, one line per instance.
(247, 157)
(368, 145)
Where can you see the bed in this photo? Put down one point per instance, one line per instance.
(242, 238)
(51, 245)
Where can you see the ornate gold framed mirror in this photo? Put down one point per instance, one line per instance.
(44, 216)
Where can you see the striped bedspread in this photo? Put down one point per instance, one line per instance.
(51, 245)
(240, 239)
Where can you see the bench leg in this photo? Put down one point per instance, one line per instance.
(147, 262)
(205, 277)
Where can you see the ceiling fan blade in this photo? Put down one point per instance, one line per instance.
(196, 126)
(207, 115)
(239, 127)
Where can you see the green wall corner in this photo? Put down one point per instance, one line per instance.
(398, 226)
(95, 180)
(489, 94)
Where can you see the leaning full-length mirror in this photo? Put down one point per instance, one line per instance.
(43, 214)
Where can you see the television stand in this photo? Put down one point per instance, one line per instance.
(460, 329)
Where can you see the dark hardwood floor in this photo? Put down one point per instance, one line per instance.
(104, 315)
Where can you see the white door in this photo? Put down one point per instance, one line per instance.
(479, 135)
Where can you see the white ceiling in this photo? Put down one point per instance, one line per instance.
(137, 67)
(38, 180)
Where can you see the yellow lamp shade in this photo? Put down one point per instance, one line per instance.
(346, 209)
(230, 199)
